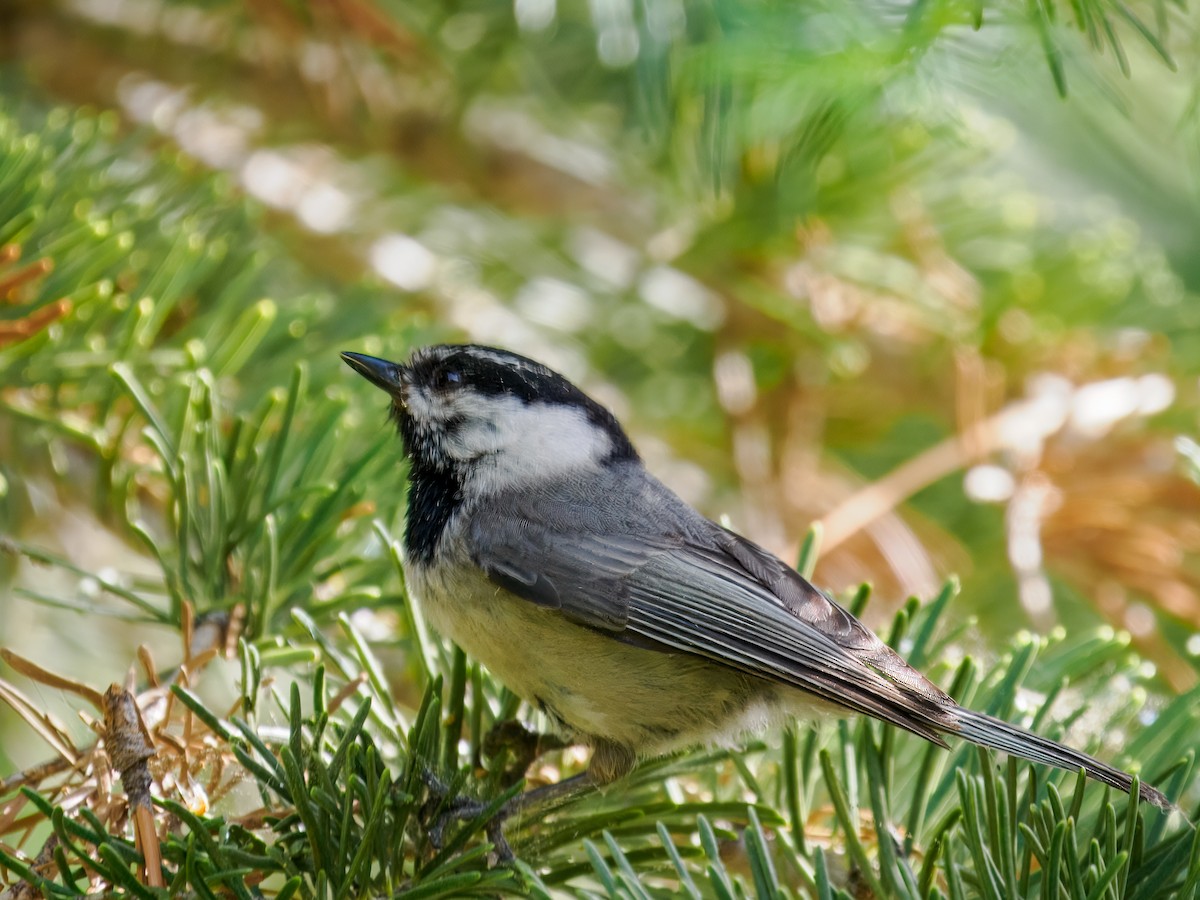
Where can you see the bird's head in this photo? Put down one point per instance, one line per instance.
(494, 419)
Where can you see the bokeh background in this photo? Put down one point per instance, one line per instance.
(925, 273)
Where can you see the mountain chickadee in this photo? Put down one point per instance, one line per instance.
(538, 542)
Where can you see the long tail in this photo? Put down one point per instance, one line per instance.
(980, 728)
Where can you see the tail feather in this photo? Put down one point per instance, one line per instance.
(997, 734)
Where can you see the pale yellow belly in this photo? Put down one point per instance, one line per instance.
(647, 700)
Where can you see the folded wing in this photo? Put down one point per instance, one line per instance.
(697, 596)
(711, 593)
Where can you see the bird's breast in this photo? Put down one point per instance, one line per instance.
(588, 682)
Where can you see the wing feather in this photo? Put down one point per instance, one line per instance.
(651, 571)
(696, 596)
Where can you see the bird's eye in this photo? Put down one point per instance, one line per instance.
(446, 377)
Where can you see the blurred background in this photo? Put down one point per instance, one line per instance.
(923, 272)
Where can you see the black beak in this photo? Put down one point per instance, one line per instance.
(388, 376)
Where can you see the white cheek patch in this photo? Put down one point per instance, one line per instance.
(513, 442)
(424, 409)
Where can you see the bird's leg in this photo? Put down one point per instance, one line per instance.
(444, 810)
(522, 744)
(609, 762)
(539, 801)
(511, 737)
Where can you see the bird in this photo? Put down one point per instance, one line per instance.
(536, 539)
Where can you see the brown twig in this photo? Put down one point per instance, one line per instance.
(882, 496)
(9, 284)
(130, 748)
(17, 330)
